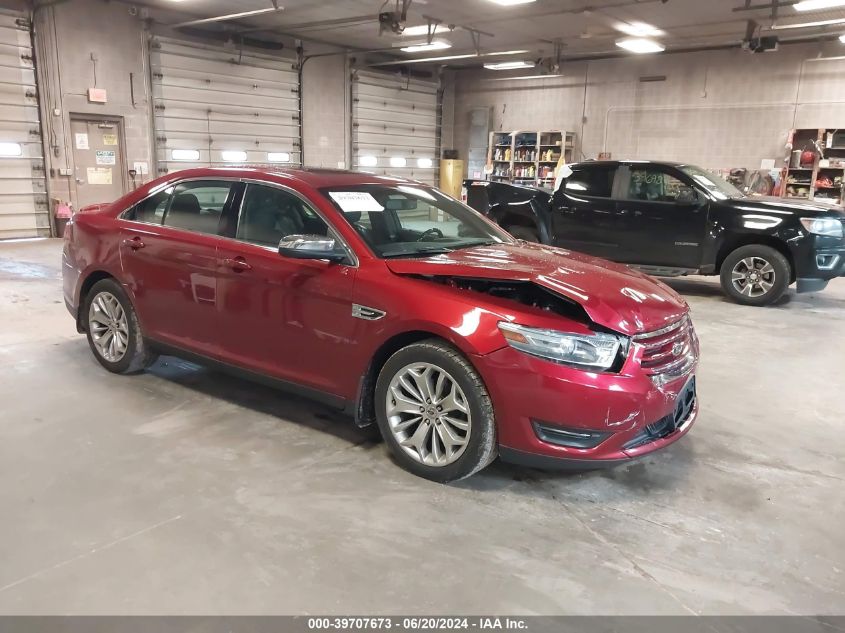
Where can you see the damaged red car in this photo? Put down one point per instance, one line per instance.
(393, 302)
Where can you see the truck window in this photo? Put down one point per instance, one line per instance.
(595, 181)
(651, 184)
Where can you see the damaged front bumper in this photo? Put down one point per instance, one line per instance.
(553, 416)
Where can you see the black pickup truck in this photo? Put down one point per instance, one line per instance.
(670, 219)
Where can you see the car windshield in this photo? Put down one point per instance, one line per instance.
(716, 185)
(412, 221)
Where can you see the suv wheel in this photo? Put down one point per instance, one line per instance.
(434, 412)
(755, 275)
(524, 233)
(113, 330)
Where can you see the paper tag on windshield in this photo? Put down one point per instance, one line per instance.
(355, 201)
(563, 172)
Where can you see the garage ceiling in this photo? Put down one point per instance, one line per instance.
(583, 28)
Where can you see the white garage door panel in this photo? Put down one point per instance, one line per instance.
(395, 118)
(213, 100)
(23, 199)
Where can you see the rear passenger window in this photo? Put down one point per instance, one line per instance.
(150, 210)
(591, 181)
(197, 206)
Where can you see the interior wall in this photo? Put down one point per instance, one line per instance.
(67, 35)
(718, 109)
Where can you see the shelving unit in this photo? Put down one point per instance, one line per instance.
(528, 157)
(823, 178)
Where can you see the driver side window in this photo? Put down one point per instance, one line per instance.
(269, 214)
(654, 185)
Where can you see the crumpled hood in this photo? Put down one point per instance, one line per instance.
(613, 295)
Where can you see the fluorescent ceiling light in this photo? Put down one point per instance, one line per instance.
(640, 45)
(398, 161)
(422, 29)
(805, 25)
(233, 155)
(816, 5)
(434, 45)
(278, 157)
(509, 65)
(525, 77)
(639, 29)
(510, 3)
(185, 154)
(10, 149)
(425, 163)
(367, 161)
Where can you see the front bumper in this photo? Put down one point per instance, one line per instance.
(818, 259)
(627, 409)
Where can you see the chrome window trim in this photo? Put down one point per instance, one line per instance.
(257, 181)
(162, 187)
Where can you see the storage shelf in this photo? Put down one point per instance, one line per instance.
(546, 147)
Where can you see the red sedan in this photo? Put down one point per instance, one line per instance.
(391, 301)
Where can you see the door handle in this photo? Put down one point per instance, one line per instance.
(238, 264)
(135, 243)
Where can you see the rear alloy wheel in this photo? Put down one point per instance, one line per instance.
(755, 275)
(434, 412)
(114, 333)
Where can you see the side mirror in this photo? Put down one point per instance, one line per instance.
(310, 247)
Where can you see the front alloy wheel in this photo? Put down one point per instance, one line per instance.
(755, 275)
(434, 412)
(428, 414)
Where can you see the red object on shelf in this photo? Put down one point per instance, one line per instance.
(808, 157)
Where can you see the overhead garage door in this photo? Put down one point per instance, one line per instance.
(23, 198)
(396, 125)
(217, 107)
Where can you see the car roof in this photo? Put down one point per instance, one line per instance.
(311, 177)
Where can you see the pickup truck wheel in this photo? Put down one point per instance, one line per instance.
(434, 412)
(523, 233)
(755, 275)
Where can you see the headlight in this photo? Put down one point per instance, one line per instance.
(585, 351)
(831, 227)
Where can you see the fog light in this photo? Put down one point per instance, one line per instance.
(572, 438)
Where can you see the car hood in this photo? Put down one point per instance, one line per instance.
(613, 295)
(780, 205)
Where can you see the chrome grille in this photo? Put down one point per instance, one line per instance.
(669, 352)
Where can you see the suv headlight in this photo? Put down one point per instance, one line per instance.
(584, 351)
(830, 227)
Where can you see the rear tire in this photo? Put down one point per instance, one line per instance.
(113, 330)
(524, 233)
(434, 412)
(755, 275)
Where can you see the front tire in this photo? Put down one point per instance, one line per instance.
(434, 412)
(755, 275)
(114, 333)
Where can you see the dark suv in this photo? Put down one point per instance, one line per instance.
(671, 219)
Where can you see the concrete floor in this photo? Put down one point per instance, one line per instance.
(186, 491)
